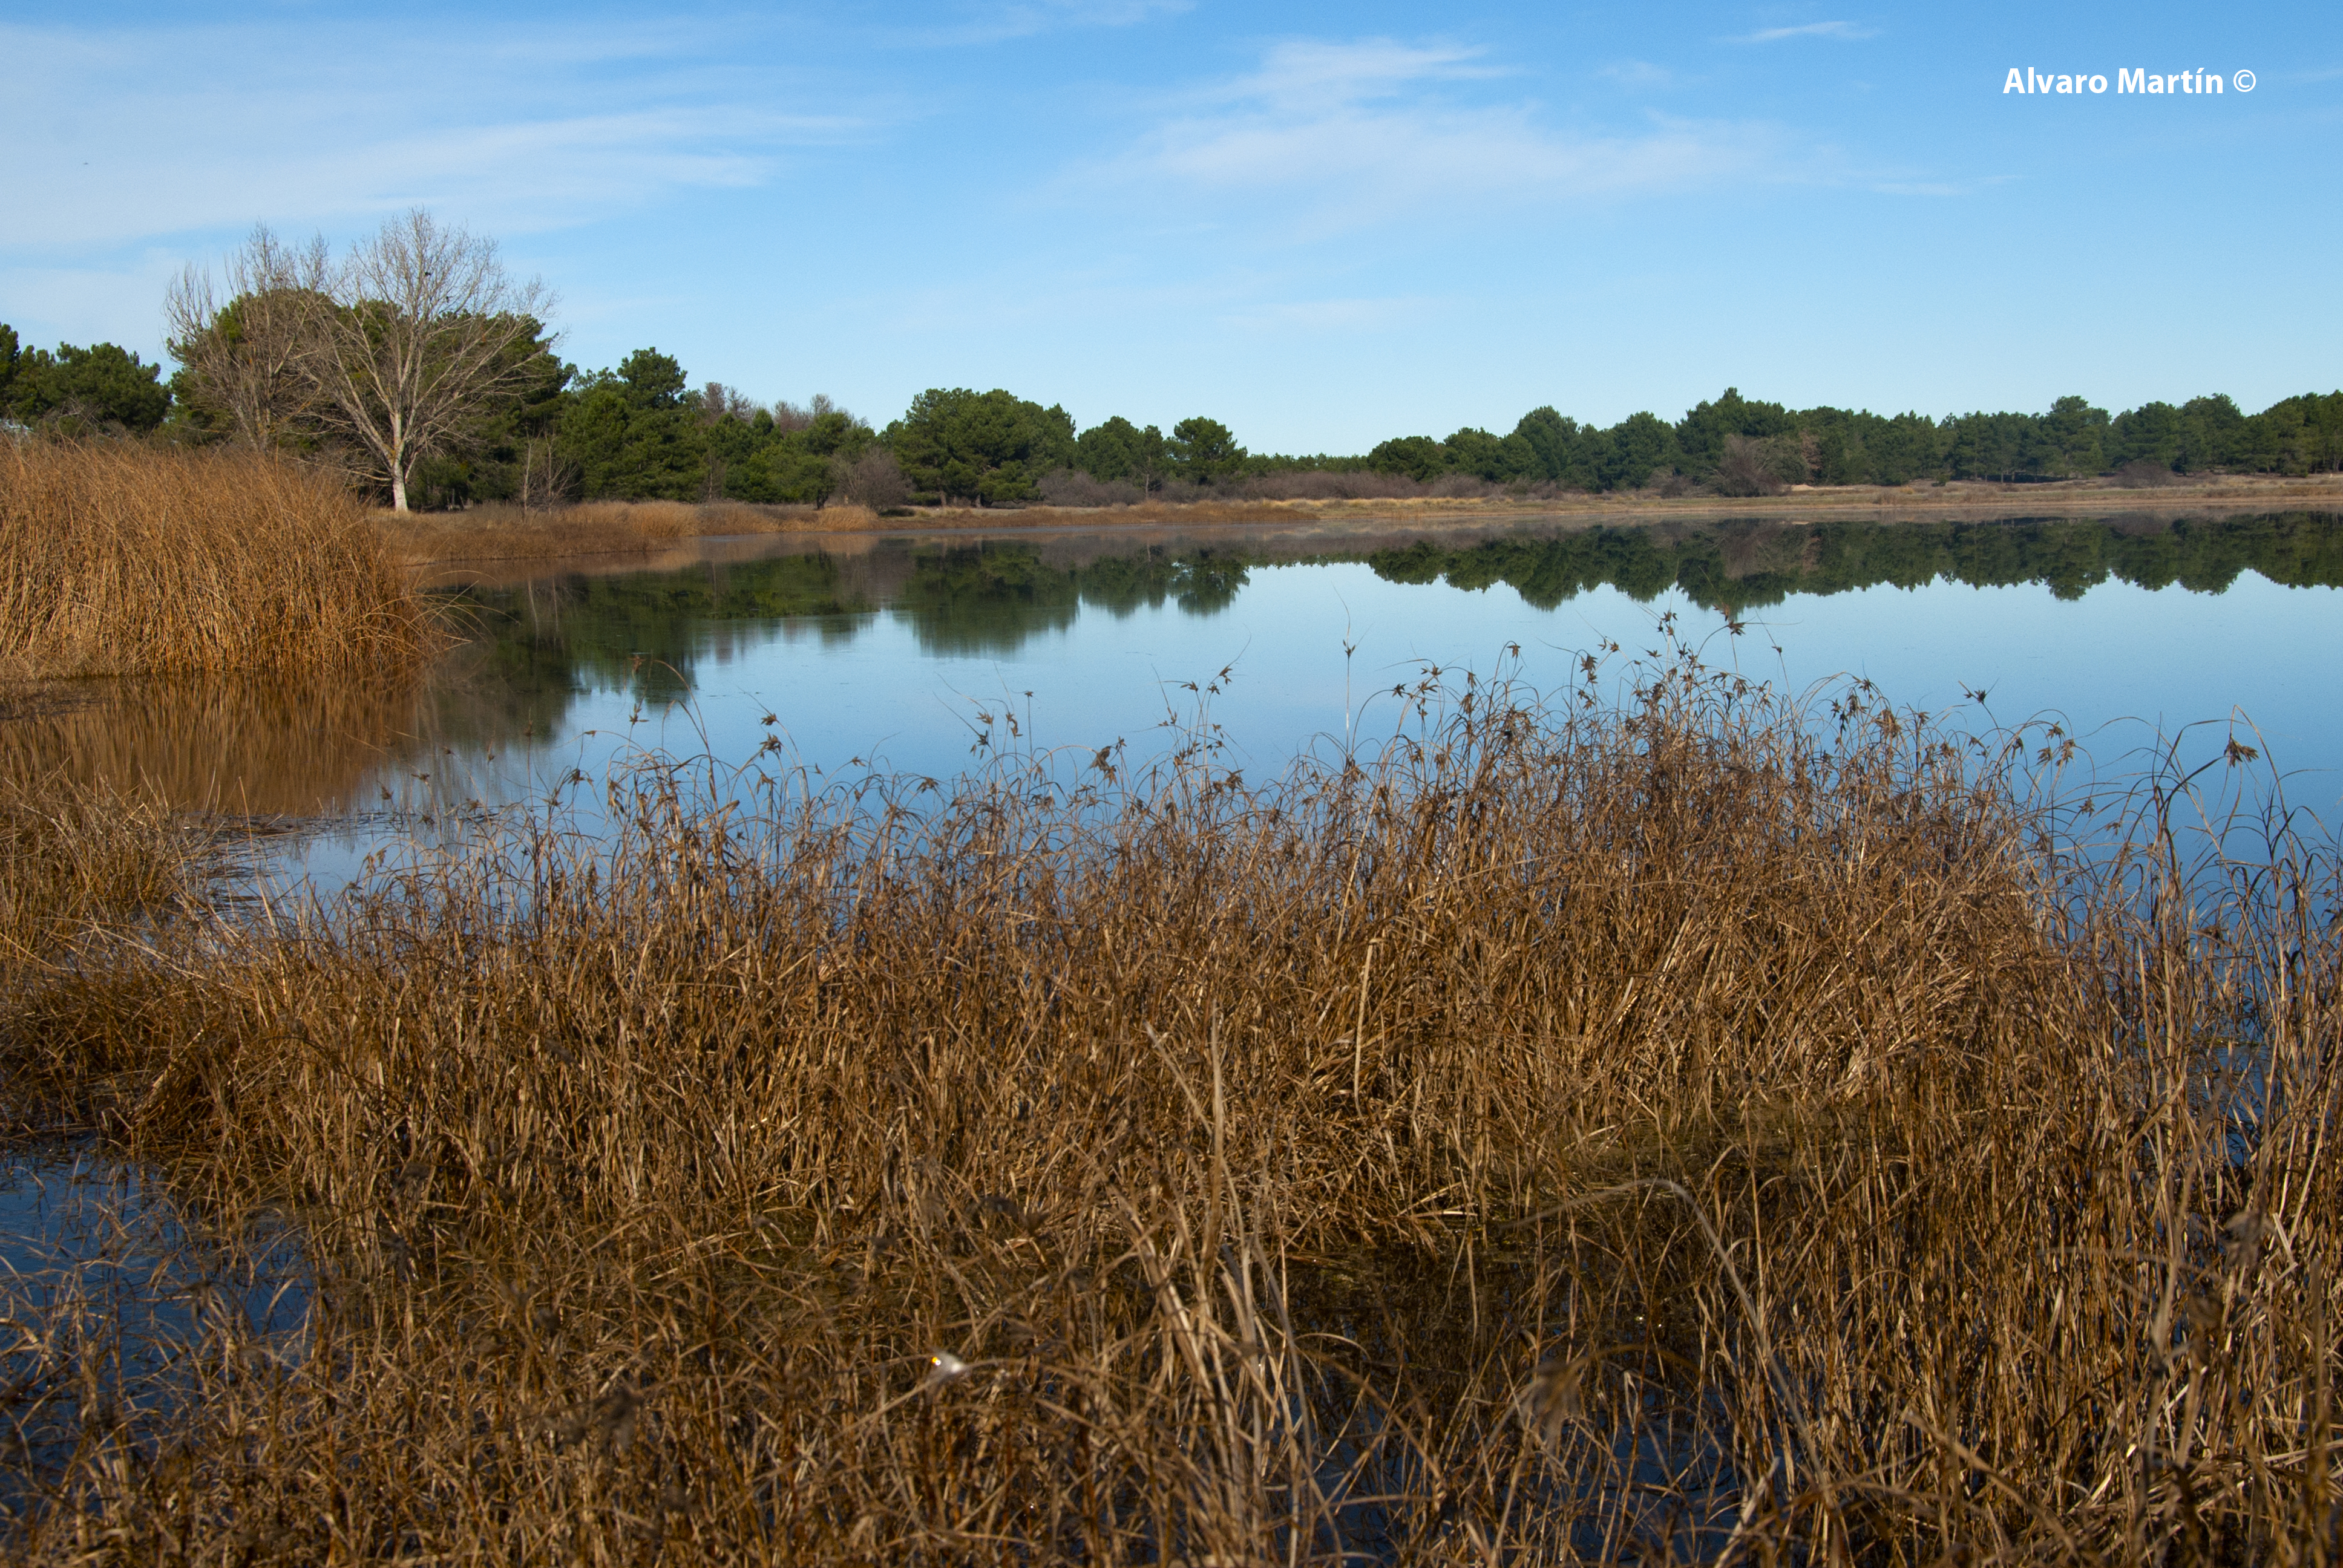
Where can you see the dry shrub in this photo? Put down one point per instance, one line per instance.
(122, 558)
(2146, 474)
(1073, 487)
(837, 517)
(1746, 469)
(1362, 485)
(1693, 1129)
(874, 480)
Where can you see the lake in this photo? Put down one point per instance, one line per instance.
(926, 653)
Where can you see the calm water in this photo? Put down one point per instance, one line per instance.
(113, 1291)
(915, 654)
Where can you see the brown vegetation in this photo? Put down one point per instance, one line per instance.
(1677, 1131)
(506, 532)
(117, 558)
(78, 860)
(266, 746)
(498, 532)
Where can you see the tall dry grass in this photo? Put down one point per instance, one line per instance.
(119, 558)
(504, 532)
(1669, 1131)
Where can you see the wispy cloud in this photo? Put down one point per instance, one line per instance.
(1846, 30)
(325, 126)
(1639, 74)
(996, 23)
(1347, 136)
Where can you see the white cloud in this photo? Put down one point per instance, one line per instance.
(1846, 30)
(325, 125)
(997, 24)
(1305, 75)
(1347, 136)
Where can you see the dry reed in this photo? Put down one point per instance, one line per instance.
(501, 532)
(122, 558)
(78, 862)
(1676, 1131)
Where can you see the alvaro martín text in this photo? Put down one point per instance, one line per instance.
(2026, 79)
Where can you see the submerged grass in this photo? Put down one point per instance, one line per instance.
(1661, 1131)
(117, 559)
(78, 860)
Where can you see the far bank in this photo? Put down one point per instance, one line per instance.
(490, 533)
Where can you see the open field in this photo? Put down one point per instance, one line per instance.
(509, 533)
(117, 559)
(1658, 1124)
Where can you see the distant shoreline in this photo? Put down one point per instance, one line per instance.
(2060, 497)
(629, 528)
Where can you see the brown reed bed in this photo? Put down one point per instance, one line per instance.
(505, 532)
(1667, 1130)
(122, 558)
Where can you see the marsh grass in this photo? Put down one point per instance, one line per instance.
(504, 532)
(1682, 1128)
(117, 558)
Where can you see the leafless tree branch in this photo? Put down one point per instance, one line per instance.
(417, 329)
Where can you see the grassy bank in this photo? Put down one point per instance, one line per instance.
(1669, 1129)
(117, 558)
(504, 533)
(500, 532)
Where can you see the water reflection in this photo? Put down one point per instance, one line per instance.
(119, 1302)
(845, 642)
(240, 748)
(649, 634)
(1738, 566)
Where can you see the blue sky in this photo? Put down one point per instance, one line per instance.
(1321, 224)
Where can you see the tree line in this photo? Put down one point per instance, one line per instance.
(420, 367)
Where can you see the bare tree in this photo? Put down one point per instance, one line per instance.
(718, 403)
(873, 479)
(1744, 470)
(245, 352)
(547, 479)
(790, 416)
(417, 329)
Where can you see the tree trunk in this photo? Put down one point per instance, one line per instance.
(397, 488)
